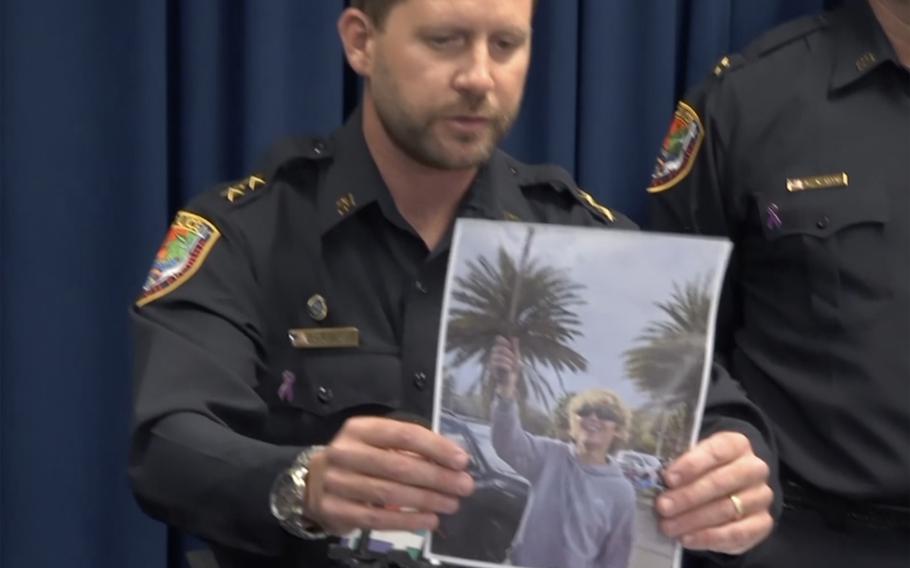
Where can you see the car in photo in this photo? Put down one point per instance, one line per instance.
(487, 521)
(642, 469)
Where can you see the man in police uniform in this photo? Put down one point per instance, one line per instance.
(287, 316)
(799, 151)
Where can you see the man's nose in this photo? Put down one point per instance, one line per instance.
(476, 75)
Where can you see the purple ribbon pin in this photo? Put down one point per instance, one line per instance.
(286, 390)
(774, 221)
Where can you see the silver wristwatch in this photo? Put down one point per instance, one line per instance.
(287, 498)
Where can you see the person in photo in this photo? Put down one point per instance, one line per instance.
(581, 512)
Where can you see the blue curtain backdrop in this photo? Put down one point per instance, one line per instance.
(114, 112)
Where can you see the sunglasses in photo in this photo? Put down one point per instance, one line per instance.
(601, 412)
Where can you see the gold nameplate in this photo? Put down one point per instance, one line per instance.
(818, 182)
(324, 337)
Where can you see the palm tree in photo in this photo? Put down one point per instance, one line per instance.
(522, 298)
(668, 362)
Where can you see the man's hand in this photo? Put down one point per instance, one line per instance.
(384, 474)
(505, 362)
(718, 497)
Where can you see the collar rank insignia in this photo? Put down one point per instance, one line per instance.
(239, 190)
(345, 204)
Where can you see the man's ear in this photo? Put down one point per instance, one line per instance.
(357, 34)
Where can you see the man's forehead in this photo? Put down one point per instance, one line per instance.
(466, 13)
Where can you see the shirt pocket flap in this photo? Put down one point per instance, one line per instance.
(334, 381)
(820, 214)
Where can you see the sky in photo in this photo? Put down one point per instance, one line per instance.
(624, 273)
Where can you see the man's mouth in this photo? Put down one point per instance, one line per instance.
(469, 123)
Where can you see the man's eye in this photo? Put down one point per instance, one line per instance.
(508, 43)
(444, 42)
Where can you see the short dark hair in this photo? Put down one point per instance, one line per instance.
(378, 10)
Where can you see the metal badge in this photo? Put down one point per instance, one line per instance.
(324, 337)
(818, 182)
(317, 307)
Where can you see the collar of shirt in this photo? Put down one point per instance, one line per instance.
(860, 44)
(353, 182)
(496, 193)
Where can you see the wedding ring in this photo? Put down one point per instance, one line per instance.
(738, 505)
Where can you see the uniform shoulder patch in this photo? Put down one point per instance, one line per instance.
(239, 190)
(188, 241)
(680, 147)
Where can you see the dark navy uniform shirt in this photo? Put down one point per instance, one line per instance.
(799, 151)
(225, 402)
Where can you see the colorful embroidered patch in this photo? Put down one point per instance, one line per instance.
(679, 149)
(188, 242)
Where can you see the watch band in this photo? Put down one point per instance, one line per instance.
(287, 496)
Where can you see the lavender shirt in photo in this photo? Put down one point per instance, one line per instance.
(578, 515)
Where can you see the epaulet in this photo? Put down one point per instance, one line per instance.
(293, 149)
(769, 42)
(783, 35)
(279, 156)
(559, 179)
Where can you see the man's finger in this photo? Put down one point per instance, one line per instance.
(394, 435)
(399, 467)
(708, 454)
(732, 538)
(341, 516)
(718, 512)
(745, 472)
(385, 493)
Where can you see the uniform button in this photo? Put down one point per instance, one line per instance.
(513, 170)
(420, 380)
(823, 223)
(318, 147)
(325, 395)
(421, 287)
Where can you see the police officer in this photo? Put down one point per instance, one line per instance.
(799, 151)
(288, 315)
